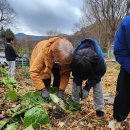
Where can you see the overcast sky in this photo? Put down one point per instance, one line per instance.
(39, 16)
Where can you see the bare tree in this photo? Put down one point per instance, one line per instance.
(7, 14)
(52, 32)
(106, 14)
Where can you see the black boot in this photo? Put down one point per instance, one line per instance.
(99, 113)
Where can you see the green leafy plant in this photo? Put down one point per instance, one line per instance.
(13, 126)
(36, 116)
(14, 115)
(32, 109)
(3, 71)
(31, 99)
(53, 90)
(9, 82)
(12, 95)
(3, 123)
(72, 106)
(16, 108)
(29, 128)
(66, 104)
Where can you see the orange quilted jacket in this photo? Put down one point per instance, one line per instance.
(42, 62)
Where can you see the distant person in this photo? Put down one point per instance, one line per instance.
(88, 64)
(10, 55)
(121, 106)
(49, 57)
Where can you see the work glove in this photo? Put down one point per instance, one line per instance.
(1, 116)
(76, 92)
(45, 95)
(61, 94)
(85, 93)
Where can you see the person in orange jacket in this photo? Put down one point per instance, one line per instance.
(51, 56)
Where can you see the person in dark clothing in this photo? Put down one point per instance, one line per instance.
(121, 106)
(88, 64)
(10, 55)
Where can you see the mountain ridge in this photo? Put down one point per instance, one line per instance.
(34, 37)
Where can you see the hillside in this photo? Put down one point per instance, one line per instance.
(34, 37)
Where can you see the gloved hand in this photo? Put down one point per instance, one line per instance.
(85, 93)
(45, 95)
(61, 94)
(1, 116)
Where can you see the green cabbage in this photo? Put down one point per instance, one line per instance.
(31, 99)
(13, 126)
(9, 82)
(36, 116)
(12, 95)
(72, 106)
(29, 128)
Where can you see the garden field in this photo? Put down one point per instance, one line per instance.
(24, 109)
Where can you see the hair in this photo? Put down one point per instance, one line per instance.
(83, 62)
(62, 51)
(9, 39)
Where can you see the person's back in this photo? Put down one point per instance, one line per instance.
(94, 46)
(88, 63)
(37, 50)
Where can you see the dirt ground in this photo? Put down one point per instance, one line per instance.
(85, 119)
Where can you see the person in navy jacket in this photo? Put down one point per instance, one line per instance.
(88, 64)
(121, 107)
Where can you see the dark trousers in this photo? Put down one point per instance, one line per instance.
(121, 107)
(56, 75)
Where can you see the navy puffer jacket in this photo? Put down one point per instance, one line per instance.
(100, 67)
